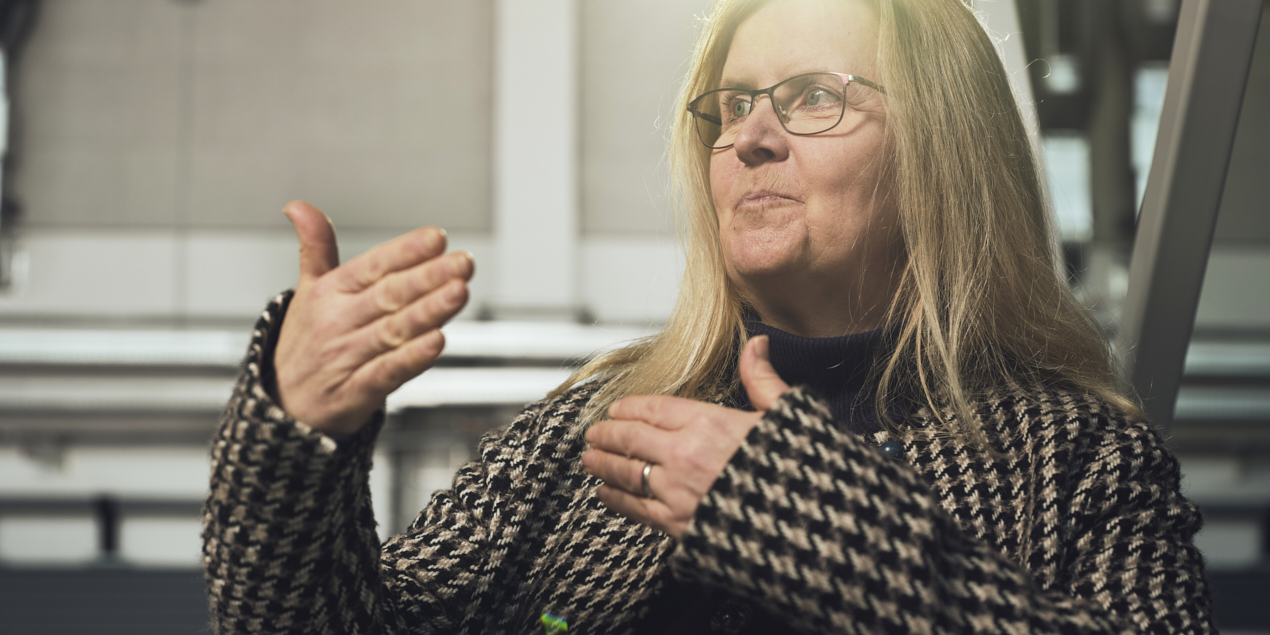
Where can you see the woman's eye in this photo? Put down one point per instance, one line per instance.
(740, 108)
(820, 97)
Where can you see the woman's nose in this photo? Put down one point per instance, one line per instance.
(761, 137)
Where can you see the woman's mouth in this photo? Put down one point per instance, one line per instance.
(762, 197)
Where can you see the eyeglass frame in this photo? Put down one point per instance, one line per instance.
(846, 78)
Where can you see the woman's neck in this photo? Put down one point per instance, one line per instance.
(821, 321)
(840, 369)
(809, 306)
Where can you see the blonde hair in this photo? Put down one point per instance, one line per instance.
(978, 302)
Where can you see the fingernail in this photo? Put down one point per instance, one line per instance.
(460, 256)
(441, 230)
(761, 348)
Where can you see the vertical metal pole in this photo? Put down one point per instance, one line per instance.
(107, 512)
(1207, 74)
(536, 216)
(6, 254)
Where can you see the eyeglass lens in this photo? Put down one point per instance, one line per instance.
(805, 105)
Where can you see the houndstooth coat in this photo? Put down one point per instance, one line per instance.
(1079, 529)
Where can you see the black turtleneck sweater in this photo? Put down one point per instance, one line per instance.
(839, 369)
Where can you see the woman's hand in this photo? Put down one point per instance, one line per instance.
(356, 332)
(688, 442)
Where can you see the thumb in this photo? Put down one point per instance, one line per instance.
(318, 252)
(761, 382)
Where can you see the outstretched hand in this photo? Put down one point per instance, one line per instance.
(356, 332)
(688, 442)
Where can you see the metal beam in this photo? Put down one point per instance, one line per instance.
(1207, 75)
(536, 217)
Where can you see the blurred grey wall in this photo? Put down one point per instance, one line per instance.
(1236, 293)
(159, 139)
(629, 85)
(162, 114)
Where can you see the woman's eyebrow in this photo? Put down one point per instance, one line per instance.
(733, 82)
(727, 82)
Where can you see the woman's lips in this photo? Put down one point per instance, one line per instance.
(763, 197)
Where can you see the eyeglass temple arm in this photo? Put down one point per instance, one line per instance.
(874, 86)
(711, 118)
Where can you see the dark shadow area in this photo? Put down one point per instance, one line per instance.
(103, 601)
(1240, 598)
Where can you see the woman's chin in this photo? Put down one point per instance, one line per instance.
(763, 263)
(762, 277)
(765, 255)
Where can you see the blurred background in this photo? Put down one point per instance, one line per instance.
(151, 145)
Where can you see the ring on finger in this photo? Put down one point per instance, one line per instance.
(648, 469)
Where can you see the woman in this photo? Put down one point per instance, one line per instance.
(879, 224)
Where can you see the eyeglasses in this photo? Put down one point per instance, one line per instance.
(805, 105)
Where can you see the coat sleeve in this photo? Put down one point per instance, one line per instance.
(289, 540)
(835, 537)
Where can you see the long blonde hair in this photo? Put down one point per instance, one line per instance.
(978, 303)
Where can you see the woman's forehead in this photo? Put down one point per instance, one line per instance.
(790, 37)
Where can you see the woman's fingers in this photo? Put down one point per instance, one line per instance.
(688, 442)
(631, 438)
(429, 312)
(355, 332)
(669, 413)
(390, 370)
(400, 346)
(402, 252)
(669, 508)
(624, 472)
(402, 288)
(626, 475)
(344, 391)
(351, 404)
(649, 511)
